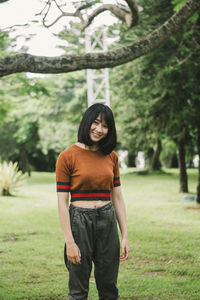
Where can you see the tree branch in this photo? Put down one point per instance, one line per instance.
(119, 13)
(62, 14)
(180, 62)
(134, 12)
(129, 14)
(69, 63)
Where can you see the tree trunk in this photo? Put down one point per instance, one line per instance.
(131, 159)
(5, 192)
(23, 163)
(174, 162)
(198, 147)
(156, 165)
(182, 167)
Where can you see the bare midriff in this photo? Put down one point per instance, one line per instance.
(89, 204)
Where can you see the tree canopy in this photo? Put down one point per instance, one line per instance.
(24, 62)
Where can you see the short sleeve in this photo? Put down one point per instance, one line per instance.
(116, 171)
(62, 173)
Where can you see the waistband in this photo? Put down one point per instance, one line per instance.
(91, 210)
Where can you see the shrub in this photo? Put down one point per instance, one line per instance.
(10, 178)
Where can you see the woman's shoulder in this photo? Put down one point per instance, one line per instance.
(68, 152)
(114, 155)
(69, 149)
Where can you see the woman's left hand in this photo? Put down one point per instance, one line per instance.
(125, 249)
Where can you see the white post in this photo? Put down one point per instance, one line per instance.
(97, 80)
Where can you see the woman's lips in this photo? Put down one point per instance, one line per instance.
(96, 135)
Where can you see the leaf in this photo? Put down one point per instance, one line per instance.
(194, 17)
(178, 4)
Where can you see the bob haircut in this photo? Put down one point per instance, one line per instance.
(107, 144)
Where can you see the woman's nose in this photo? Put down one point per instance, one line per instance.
(99, 127)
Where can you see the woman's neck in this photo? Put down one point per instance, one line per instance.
(94, 147)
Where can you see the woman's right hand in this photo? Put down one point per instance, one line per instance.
(73, 253)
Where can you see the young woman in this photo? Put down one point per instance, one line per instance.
(89, 171)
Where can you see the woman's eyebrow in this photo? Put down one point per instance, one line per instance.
(100, 120)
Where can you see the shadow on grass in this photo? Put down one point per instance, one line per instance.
(150, 172)
(13, 237)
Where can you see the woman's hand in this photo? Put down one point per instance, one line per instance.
(73, 253)
(125, 249)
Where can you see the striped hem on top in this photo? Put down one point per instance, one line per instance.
(103, 195)
(116, 181)
(63, 186)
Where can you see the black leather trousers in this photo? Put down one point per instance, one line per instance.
(95, 233)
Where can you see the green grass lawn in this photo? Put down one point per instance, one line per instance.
(164, 234)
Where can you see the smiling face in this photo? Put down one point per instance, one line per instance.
(98, 129)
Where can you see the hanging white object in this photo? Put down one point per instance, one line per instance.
(97, 80)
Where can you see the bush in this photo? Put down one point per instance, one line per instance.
(10, 178)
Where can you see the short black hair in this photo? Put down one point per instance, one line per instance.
(107, 144)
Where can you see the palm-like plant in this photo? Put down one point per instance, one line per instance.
(10, 178)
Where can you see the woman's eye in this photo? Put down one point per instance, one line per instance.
(97, 122)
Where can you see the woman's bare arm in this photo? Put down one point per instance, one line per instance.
(120, 210)
(72, 250)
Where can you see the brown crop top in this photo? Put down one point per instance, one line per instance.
(87, 175)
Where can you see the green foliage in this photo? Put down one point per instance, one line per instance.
(4, 108)
(159, 97)
(39, 117)
(60, 113)
(74, 38)
(11, 179)
(4, 88)
(134, 98)
(4, 43)
(179, 3)
(195, 17)
(43, 118)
